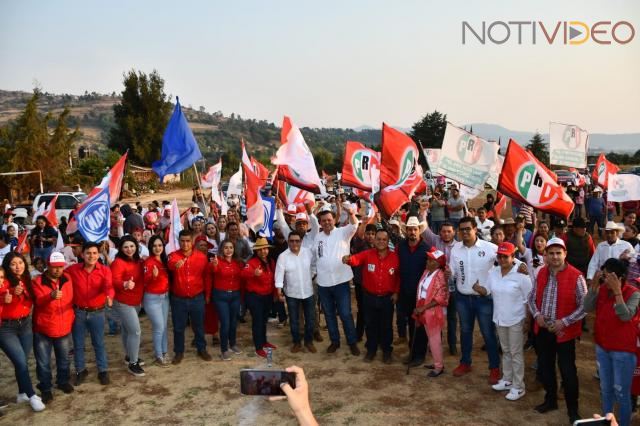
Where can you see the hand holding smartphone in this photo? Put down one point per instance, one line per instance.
(265, 382)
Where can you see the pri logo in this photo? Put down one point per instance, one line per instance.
(571, 137)
(361, 162)
(535, 187)
(93, 218)
(469, 148)
(407, 166)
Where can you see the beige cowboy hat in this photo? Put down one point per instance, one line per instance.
(261, 243)
(414, 222)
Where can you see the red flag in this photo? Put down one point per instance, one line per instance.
(260, 170)
(23, 243)
(498, 207)
(525, 179)
(290, 194)
(253, 199)
(602, 170)
(356, 166)
(50, 212)
(113, 180)
(400, 173)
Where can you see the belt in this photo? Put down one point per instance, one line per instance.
(89, 309)
(378, 295)
(15, 320)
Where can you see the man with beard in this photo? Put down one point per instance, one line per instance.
(412, 252)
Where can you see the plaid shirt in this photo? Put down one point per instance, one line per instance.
(550, 301)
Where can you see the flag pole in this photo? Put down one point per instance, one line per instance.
(204, 201)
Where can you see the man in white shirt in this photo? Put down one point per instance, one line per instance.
(470, 261)
(293, 278)
(611, 247)
(484, 224)
(329, 247)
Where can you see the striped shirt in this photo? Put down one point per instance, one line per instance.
(550, 301)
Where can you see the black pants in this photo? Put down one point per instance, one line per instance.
(379, 322)
(259, 306)
(360, 321)
(406, 306)
(548, 350)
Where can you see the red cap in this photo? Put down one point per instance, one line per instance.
(438, 256)
(506, 248)
(204, 238)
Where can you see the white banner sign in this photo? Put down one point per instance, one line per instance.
(433, 158)
(495, 172)
(625, 187)
(466, 158)
(568, 145)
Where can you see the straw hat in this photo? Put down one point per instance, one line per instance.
(261, 243)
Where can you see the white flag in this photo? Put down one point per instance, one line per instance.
(175, 226)
(212, 178)
(235, 183)
(494, 174)
(568, 145)
(466, 158)
(433, 158)
(623, 187)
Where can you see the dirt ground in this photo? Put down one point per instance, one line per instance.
(344, 390)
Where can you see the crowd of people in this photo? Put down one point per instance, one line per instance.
(437, 266)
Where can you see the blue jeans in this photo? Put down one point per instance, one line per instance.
(130, 329)
(16, 341)
(113, 319)
(157, 308)
(309, 308)
(94, 322)
(259, 306)
(469, 308)
(43, 253)
(228, 305)
(183, 309)
(337, 300)
(616, 372)
(61, 346)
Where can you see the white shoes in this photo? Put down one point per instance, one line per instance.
(35, 401)
(502, 385)
(515, 394)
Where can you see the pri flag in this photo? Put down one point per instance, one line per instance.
(623, 187)
(603, 169)
(175, 226)
(253, 199)
(179, 147)
(466, 158)
(568, 145)
(525, 179)
(357, 165)
(433, 158)
(400, 173)
(93, 217)
(289, 194)
(212, 178)
(50, 212)
(295, 160)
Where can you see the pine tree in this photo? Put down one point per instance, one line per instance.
(429, 131)
(539, 148)
(141, 117)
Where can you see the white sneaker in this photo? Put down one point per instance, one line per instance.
(515, 394)
(22, 397)
(502, 385)
(36, 403)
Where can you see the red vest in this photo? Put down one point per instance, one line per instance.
(566, 302)
(611, 333)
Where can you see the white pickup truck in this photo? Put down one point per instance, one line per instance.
(65, 203)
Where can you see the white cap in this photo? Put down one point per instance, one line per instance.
(292, 209)
(302, 217)
(597, 189)
(56, 259)
(555, 241)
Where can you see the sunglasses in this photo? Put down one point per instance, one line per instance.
(466, 229)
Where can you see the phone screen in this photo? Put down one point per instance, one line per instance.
(265, 382)
(592, 422)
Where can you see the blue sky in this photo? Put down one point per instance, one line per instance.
(341, 64)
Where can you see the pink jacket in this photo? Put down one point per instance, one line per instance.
(438, 291)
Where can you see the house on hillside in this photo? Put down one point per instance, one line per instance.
(146, 174)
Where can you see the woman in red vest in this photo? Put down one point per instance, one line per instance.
(259, 276)
(16, 335)
(128, 283)
(616, 305)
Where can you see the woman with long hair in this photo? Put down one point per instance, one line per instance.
(128, 283)
(226, 296)
(213, 237)
(156, 297)
(16, 335)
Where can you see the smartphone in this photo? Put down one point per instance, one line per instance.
(592, 422)
(265, 382)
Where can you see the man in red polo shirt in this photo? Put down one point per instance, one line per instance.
(190, 288)
(380, 284)
(92, 290)
(53, 319)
